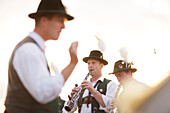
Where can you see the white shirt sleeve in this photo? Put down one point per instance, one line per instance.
(31, 66)
(110, 93)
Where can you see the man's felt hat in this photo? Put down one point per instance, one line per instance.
(95, 54)
(50, 7)
(122, 66)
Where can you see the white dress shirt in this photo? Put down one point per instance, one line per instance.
(110, 92)
(31, 66)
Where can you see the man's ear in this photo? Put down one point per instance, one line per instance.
(102, 65)
(130, 72)
(43, 20)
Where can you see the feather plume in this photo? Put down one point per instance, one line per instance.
(101, 44)
(124, 53)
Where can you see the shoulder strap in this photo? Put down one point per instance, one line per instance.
(80, 100)
(102, 88)
(29, 39)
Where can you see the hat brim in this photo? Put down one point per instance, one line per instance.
(101, 60)
(37, 14)
(125, 69)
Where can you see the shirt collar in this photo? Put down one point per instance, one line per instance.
(128, 84)
(101, 79)
(38, 39)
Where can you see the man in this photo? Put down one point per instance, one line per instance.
(131, 87)
(31, 88)
(98, 91)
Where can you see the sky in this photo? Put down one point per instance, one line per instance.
(142, 26)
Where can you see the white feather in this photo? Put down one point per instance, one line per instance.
(101, 45)
(124, 53)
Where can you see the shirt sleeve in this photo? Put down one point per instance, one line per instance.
(31, 66)
(110, 93)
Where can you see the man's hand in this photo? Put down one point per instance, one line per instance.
(88, 85)
(112, 106)
(73, 52)
(114, 103)
(74, 60)
(74, 90)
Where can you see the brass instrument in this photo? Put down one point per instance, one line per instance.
(116, 96)
(72, 105)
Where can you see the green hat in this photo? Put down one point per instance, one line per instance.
(122, 66)
(95, 54)
(50, 7)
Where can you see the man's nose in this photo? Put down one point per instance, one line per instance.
(63, 26)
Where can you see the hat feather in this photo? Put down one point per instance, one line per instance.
(101, 43)
(124, 53)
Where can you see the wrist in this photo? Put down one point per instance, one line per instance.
(94, 92)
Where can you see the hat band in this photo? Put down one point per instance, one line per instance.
(52, 11)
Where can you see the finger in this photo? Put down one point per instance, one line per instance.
(74, 46)
(83, 85)
(85, 82)
(75, 90)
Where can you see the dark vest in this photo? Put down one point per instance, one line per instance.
(19, 100)
(95, 105)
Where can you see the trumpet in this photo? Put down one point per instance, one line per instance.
(116, 96)
(72, 105)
